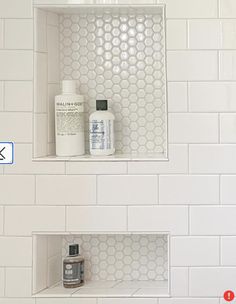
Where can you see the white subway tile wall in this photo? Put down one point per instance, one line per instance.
(192, 195)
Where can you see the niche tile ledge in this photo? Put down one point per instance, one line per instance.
(109, 158)
(106, 289)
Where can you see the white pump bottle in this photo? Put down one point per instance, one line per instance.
(69, 121)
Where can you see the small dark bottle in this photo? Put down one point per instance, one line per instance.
(73, 268)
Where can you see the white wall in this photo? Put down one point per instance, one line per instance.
(193, 195)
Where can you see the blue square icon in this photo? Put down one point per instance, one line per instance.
(6, 153)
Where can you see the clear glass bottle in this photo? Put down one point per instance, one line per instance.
(73, 268)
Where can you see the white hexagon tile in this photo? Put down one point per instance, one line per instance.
(122, 257)
(119, 55)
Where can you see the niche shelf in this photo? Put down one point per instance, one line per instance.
(116, 265)
(115, 52)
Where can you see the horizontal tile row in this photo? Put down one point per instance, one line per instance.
(203, 220)
(117, 189)
(20, 28)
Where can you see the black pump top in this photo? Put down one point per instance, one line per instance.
(73, 249)
(101, 105)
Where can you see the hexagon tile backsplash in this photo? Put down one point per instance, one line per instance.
(119, 55)
(122, 257)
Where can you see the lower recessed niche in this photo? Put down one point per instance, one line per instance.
(116, 265)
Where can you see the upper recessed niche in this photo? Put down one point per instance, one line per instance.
(113, 52)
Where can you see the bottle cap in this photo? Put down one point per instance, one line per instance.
(101, 105)
(73, 249)
(68, 86)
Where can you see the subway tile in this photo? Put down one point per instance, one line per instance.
(23, 30)
(228, 39)
(204, 34)
(191, 8)
(177, 97)
(187, 189)
(227, 65)
(193, 128)
(23, 163)
(40, 24)
(40, 134)
(53, 54)
(15, 251)
(211, 282)
(158, 218)
(228, 189)
(176, 34)
(177, 163)
(16, 127)
(96, 167)
(15, 9)
(2, 282)
(63, 301)
(18, 96)
(126, 301)
(17, 301)
(192, 65)
(127, 190)
(213, 159)
(228, 128)
(195, 251)
(96, 218)
(18, 282)
(41, 83)
(65, 190)
(212, 96)
(228, 251)
(18, 189)
(213, 220)
(227, 8)
(24, 220)
(189, 301)
(16, 65)
(179, 281)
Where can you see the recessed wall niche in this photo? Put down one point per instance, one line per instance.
(116, 265)
(113, 52)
